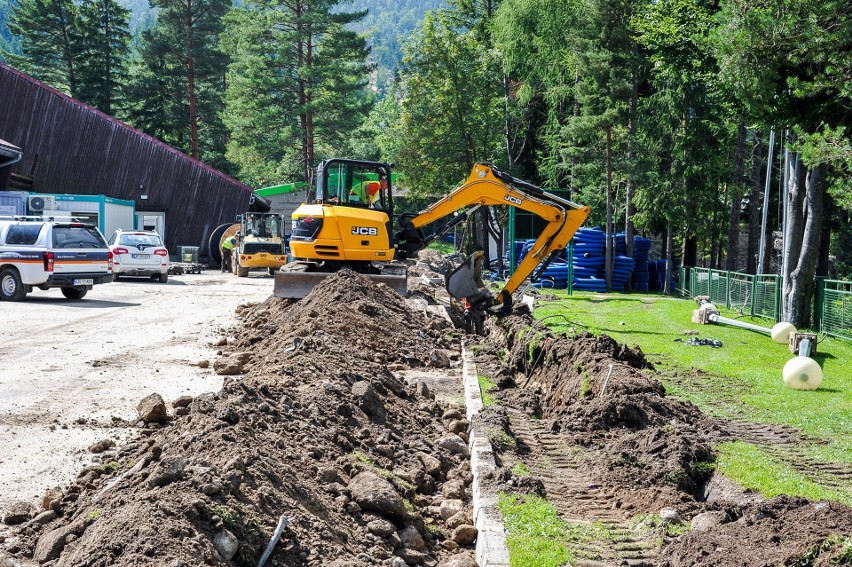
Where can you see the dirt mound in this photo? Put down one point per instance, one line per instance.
(317, 430)
(589, 382)
(782, 531)
(619, 448)
(593, 391)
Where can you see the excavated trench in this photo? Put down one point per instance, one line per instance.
(603, 442)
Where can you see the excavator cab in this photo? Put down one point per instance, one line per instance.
(346, 222)
(354, 183)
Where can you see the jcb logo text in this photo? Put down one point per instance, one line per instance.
(365, 230)
(514, 200)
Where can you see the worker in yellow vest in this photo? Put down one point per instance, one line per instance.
(228, 252)
(366, 192)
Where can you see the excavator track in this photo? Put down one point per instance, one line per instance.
(296, 279)
(555, 461)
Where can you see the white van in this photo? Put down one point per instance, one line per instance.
(46, 254)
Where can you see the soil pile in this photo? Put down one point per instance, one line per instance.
(317, 431)
(782, 531)
(593, 391)
(622, 444)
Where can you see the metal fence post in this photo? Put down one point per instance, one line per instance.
(777, 299)
(570, 287)
(819, 302)
(728, 290)
(753, 293)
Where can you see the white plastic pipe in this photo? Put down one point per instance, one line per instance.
(736, 323)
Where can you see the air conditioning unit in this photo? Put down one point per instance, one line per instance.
(39, 203)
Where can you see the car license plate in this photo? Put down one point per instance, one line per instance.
(84, 282)
(141, 256)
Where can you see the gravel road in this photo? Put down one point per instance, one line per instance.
(68, 367)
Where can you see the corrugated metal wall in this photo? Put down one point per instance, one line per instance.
(70, 147)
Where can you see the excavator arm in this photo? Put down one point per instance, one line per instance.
(486, 186)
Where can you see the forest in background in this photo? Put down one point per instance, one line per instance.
(655, 113)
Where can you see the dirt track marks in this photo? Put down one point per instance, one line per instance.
(579, 500)
(786, 445)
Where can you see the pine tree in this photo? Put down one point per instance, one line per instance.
(296, 86)
(49, 40)
(182, 57)
(103, 54)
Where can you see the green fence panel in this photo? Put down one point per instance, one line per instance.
(837, 309)
(719, 287)
(766, 296)
(740, 291)
(758, 296)
(700, 282)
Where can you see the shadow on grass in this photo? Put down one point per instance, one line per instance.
(821, 357)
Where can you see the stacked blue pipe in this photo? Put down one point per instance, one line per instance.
(588, 259)
(555, 276)
(641, 251)
(621, 270)
(657, 275)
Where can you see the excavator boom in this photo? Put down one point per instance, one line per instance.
(488, 186)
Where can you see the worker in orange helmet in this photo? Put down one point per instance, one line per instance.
(366, 192)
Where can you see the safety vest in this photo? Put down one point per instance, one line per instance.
(229, 243)
(367, 192)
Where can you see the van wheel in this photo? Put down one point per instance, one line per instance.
(11, 288)
(164, 278)
(74, 292)
(115, 277)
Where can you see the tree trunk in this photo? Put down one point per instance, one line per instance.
(754, 210)
(822, 265)
(309, 99)
(805, 210)
(608, 256)
(715, 260)
(667, 284)
(481, 221)
(690, 252)
(736, 200)
(496, 231)
(301, 87)
(190, 64)
(630, 208)
(794, 222)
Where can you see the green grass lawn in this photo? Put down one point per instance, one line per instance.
(538, 537)
(742, 380)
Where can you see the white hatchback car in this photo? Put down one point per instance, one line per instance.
(139, 253)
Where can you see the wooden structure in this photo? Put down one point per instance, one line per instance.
(70, 147)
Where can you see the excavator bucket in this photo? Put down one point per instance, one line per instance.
(466, 279)
(465, 283)
(296, 280)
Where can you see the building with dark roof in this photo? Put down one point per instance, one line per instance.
(67, 147)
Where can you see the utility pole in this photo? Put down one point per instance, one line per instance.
(766, 201)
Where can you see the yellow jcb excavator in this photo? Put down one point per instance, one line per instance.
(349, 222)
